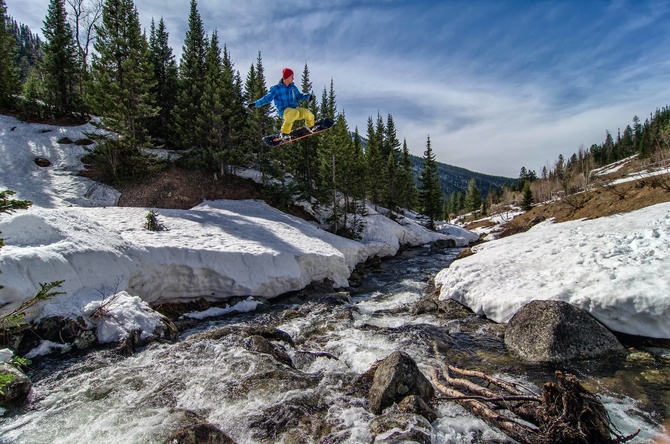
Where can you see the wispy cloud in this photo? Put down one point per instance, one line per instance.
(496, 84)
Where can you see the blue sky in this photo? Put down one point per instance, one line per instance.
(497, 85)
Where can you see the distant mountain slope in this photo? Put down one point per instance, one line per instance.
(454, 178)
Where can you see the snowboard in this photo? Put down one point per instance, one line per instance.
(300, 133)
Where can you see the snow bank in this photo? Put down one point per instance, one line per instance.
(617, 268)
(216, 250)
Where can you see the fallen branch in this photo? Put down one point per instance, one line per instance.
(565, 412)
(513, 429)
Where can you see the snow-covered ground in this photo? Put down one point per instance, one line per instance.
(219, 249)
(617, 268)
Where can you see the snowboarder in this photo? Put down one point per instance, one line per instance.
(286, 97)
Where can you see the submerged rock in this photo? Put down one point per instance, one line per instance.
(203, 433)
(555, 331)
(401, 427)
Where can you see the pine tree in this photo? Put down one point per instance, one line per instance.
(121, 81)
(191, 81)
(209, 117)
(9, 73)
(307, 165)
(430, 191)
(374, 164)
(391, 152)
(234, 119)
(391, 138)
(473, 197)
(406, 186)
(260, 122)
(33, 96)
(527, 202)
(342, 171)
(165, 90)
(59, 63)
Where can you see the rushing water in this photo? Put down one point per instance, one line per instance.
(216, 374)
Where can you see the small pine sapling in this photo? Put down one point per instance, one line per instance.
(152, 223)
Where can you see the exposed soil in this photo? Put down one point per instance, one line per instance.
(179, 188)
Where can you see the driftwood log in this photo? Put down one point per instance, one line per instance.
(565, 412)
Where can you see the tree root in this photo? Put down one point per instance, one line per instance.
(565, 412)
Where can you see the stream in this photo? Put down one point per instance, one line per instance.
(218, 373)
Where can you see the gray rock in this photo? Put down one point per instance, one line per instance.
(396, 378)
(401, 427)
(17, 385)
(555, 331)
(259, 344)
(203, 433)
(416, 405)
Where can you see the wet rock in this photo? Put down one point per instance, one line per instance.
(16, 385)
(56, 329)
(441, 244)
(396, 378)
(401, 427)
(83, 142)
(361, 385)
(131, 342)
(425, 305)
(292, 419)
(167, 330)
(451, 309)
(269, 333)
(259, 344)
(42, 162)
(555, 331)
(86, 339)
(416, 405)
(203, 433)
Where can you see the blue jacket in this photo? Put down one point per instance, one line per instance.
(283, 96)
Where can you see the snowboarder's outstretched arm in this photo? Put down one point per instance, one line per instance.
(267, 98)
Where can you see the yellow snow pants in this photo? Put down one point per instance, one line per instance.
(293, 114)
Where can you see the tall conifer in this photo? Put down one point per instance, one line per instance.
(59, 62)
(430, 191)
(191, 81)
(165, 90)
(406, 185)
(121, 82)
(374, 164)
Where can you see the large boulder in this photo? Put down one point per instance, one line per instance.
(555, 331)
(396, 378)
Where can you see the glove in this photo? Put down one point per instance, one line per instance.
(251, 105)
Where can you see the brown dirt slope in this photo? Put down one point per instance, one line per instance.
(602, 200)
(180, 188)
